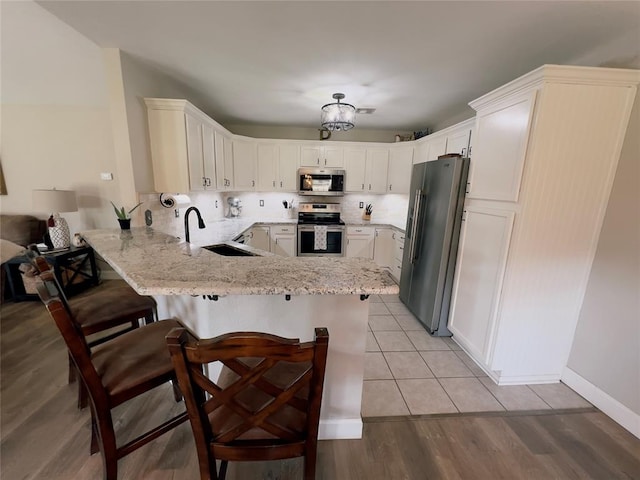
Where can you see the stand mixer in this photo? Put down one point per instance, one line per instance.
(235, 208)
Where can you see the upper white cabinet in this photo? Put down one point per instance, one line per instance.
(277, 167)
(502, 131)
(542, 170)
(355, 164)
(244, 164)
(458, 140)
(322, 156)
(182, 152)
(224, 161)
(376, 171)
(437, 146)
(399, 171)
(267, 167)
(288, 162)
(366, 169)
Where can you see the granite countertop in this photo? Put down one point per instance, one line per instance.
(155, 263)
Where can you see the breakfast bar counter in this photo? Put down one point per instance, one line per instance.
(286, 296)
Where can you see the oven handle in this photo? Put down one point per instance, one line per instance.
(414, 224)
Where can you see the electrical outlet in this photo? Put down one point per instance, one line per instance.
(107, 176)
(361, 204)
(262, 203)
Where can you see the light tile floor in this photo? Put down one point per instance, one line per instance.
(409, 372)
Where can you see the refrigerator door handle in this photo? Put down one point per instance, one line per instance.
(414, 224)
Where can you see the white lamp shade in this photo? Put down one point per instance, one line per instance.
(55, 201)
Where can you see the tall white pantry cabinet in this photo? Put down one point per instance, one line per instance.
(545, 154)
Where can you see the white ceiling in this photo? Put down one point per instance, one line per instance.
(418, 63)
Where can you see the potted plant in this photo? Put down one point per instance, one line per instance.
(124, 217)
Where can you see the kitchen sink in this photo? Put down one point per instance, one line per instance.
(229, 251)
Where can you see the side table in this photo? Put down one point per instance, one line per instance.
(75, 268)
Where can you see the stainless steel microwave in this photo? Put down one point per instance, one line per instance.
(321, 181)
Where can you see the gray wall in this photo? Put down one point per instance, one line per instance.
(606, 346)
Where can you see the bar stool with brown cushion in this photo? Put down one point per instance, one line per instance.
(114, 372)
(264, 406)
(102, 309)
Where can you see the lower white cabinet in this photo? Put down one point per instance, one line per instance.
(398, 251)
(283, 240)
(258, 236)
(383, 247)
(360, 241)
(482, 257)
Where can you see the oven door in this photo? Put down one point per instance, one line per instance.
(335, 241)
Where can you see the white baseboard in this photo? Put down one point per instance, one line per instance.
(340, 429)
(621, 414)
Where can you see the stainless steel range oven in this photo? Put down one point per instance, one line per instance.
(320, 230)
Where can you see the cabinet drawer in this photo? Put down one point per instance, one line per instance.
(357, 230)
(283, 229)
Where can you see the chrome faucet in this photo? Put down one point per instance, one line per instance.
(201, 224)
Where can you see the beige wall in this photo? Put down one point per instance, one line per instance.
(55, 129)
(606, 346)
(140, 81)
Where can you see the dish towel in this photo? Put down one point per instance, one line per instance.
(319, 237)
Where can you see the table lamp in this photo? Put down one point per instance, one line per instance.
(56, 201)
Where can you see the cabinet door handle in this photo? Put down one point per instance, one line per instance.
(253, 183)
(390, 187)
(280, 184)
(318, 160)
(208, 182)
(276, 240)
(369, 186)
(274, 183)
(204, 181)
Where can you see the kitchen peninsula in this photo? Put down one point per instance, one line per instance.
(287, 296)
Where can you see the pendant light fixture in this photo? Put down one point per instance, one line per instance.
(338, 116)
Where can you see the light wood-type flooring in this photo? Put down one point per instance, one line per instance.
(44, 436)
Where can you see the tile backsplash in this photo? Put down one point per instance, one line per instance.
(391, 208)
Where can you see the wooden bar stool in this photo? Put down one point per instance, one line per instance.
(114, 372)
(266, 404)
(102, 309)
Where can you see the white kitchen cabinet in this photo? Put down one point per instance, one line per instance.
(288, 161)
(283, 239)
(384, 247)
(437, 146)
(267, 167)
(277, 167)
(398, 251)
(544, 162)
(181, 151)
(208, 157)
(399, 171)
(224, 161)
(421, 151)
(360, 241)
(258, 236)
(366, 169)
(503, 131)
(355, 164)
(376, 171)
(322, 156)
(482, 257)
(244, 164)
(458, 140)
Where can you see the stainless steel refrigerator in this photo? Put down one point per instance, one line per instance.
(431, 239)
